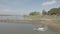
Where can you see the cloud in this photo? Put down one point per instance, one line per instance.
(48, 3)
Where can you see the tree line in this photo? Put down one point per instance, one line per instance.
(53, 11)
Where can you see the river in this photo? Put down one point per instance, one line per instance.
(12, 28)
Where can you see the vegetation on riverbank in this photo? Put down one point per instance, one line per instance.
(51, 17)
(51, 21)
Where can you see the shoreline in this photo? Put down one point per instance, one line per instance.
(54, 26)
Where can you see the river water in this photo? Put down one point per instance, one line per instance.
(11, 28)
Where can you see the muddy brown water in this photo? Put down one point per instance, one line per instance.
(22, 28)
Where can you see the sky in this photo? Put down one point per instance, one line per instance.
(22, 7)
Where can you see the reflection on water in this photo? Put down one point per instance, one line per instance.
(41, 28)
(21, 29)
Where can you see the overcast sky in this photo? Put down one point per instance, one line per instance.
(26, 6)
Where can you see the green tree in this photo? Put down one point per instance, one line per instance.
(58, 11)
(34, 13)
(53, 11)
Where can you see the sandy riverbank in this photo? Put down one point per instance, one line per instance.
(53, 24)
